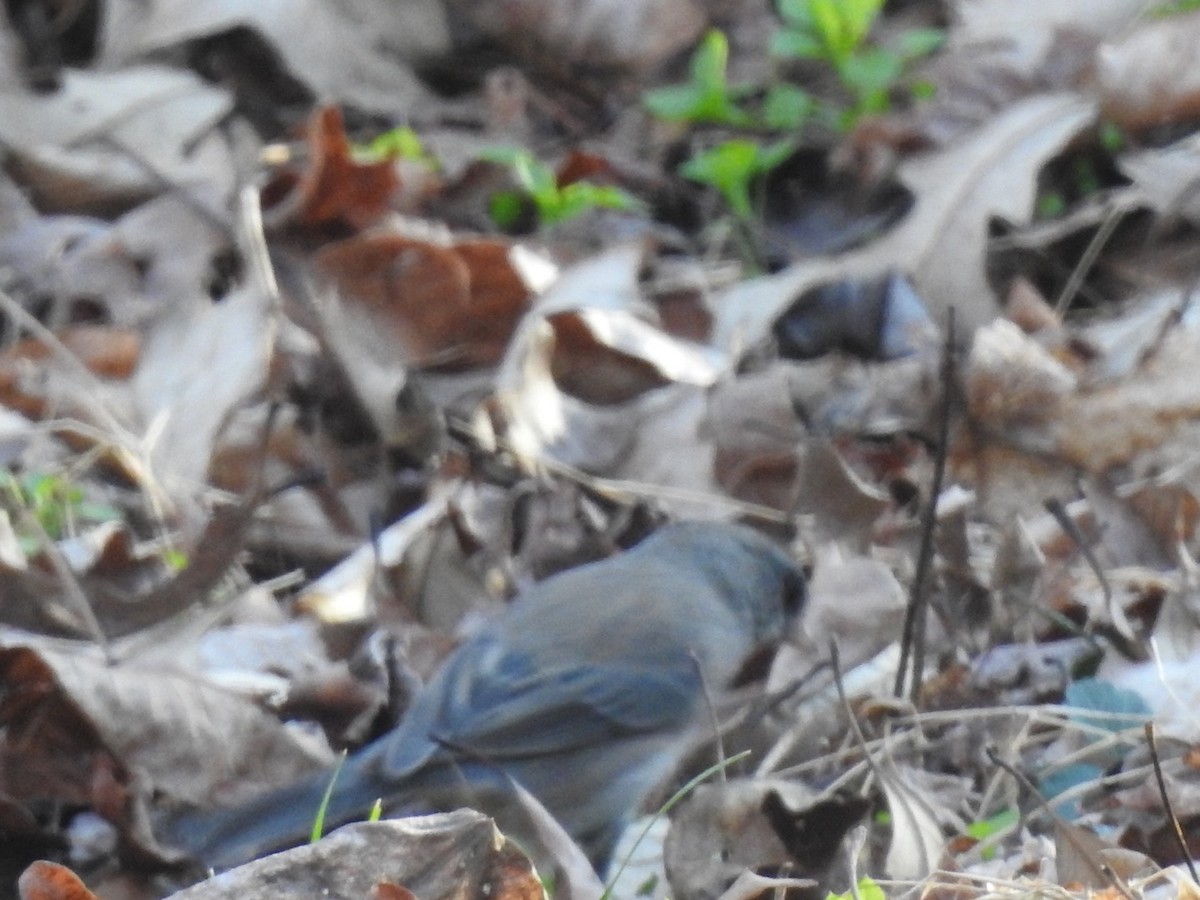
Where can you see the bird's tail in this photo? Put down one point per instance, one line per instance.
(224, 838)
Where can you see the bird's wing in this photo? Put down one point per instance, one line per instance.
(566, 709)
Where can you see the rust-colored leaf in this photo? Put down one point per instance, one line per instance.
(335, 187)
(44, 880)
(450, 306)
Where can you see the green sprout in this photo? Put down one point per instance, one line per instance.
(554, 202)
(396, 143)
(708, 96)
(1174, 8)
(868, 889)
(787, 107)
(52, 506)
(992, 827)
(836, 32)
(731, 168)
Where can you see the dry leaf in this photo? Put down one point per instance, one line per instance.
(1146, 78)
(108, 139)
(44, 880)
(437, 857)
(182, 735)
(991, 174)
(356, 52)
(333, 187)
(600, 34)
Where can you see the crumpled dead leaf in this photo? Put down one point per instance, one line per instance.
(437, 857)
(180, 734)
(96, 144)
(358, 52)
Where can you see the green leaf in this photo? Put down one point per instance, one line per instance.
(771, 156)
(831, 28)
(993, 825)
(534, 176)
(1111, 137)
(505, 208)
(731, 166)
(318, 825)
(858, 16)
(398, 143)
(794, 44)
(796, 14)
(93, 511)
(787, 107)
(710, 60)
(708, 96)
(646, 888)
(1050, 205)
(502, 156)
(674, 103)
(581, 196)
(871, 71)
(175, 560)
(918, 42)
(867, 890)
(728, 167)
(923, 90)
(539, 182)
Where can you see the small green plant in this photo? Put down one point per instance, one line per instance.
(56, 505)
(318, 826)
(397, 143)
(554, 202)
(868, 889)
(836, 32)
(707, 97)
(731, 168)
(787, 107)
(992, 827)
(1174, 8)
(175, 560)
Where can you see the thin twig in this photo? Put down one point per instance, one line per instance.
(1177, 829)
(1066, 829)
(913, 638)
(1099, 239)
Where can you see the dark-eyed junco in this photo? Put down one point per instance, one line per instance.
(581, 692)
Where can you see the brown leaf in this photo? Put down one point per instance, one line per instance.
(414, 293)
(413, 301)
(73, 713)
(593, 371)
(335, 187)
(44, 880)
(437, 857)
(386, 890)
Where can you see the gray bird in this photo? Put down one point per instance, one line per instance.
(581, 692)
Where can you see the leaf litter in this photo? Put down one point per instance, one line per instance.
(285, 415)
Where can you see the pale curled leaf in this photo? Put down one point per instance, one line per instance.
(991, 174)
(917, 841)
